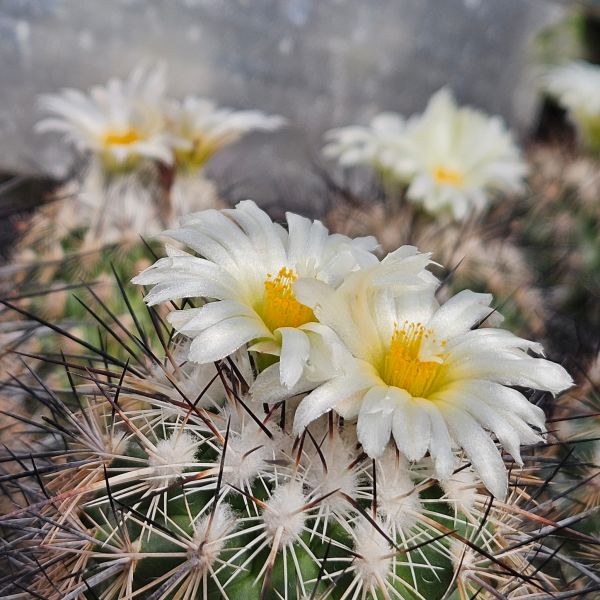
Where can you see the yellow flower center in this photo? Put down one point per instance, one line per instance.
(402, 367)
(121, 138)
(447, 176)
(279, 306)
(200, 152)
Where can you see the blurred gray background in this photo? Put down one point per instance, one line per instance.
(320, 63)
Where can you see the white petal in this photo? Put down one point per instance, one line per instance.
(266, 347)
(528, 436)
(330, 309)
(349, 408)
(440, 446)
(492, 420)
(306, 239)
(405, 266)
(536, 373)
(327, 396)
(267, 388)
(480, 449)
(185, 277)
(328, 354)
(295, 348)
(187, 289)
(193, 321)
(460, 313)
(217, 238)
(180, 318)
(203, 244)
(417, 306)
(313, 293)
(488, 339)
(261, 231)
(507, 399)
(412, 430)
(374, 425)
(224, 338)
(173, 251)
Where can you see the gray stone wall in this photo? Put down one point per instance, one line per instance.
(321, 63)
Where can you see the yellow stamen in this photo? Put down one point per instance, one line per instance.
(402, 367)
(447, 176)
(279, 307)
(121, 138)
(200, 152)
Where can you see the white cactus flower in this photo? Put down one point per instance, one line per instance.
(247, 269)
(457, 156)
(450, 158)
(205, 128)
(576, 86)
(421, 373)
(120, 122)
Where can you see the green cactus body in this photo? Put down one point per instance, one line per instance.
(171, 497)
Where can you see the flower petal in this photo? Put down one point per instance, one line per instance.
(491, 419)
(267, 387)
(327, 396)
(480, 449)
(295, 349)
(412, 430)
(507, 399)
(374, 425)
(179, 277)
(536, 373)
(224, 338)
(193, 321)
(440, 446)
(461, 312)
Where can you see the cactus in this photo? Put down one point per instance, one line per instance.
(158, 477)
(141, 159)
(198, 450)
(559, 232)
(419, 184)
(484, 254)
(161, 479)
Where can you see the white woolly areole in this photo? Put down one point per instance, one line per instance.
(209, 536)
(374, 560)
(461, 489)
(246, 452)
(283, 516)
(244, 458)
(397, 499)
(116, 441)
(462, 557)
(338, 476)
(171, 458)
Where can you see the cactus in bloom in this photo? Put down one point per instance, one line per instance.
(142, 156)
(423, 186)
(219, 462)
(430, 159)
(141, 167)
(162, 480)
